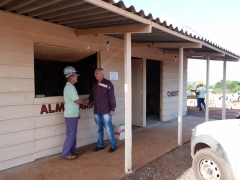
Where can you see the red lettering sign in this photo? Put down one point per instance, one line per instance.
(59, 108)
(44, 109)
(50, 109)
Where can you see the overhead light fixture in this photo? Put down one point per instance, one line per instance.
(107, 47)
(197, 56)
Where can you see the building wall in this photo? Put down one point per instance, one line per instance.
(25, 133)
(170, 83)
(16, 102)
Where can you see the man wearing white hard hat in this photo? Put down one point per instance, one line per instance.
(71, 113)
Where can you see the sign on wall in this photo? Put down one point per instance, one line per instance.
(113, 75)
(59, 107)
(172, 93)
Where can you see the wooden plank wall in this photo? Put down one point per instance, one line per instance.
(50, 128)
(16, 102)
(171, 83)
(114, 62)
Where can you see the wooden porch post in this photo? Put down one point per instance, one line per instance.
(128, 102)
(224, 91)
(207, 90)
(180, 97)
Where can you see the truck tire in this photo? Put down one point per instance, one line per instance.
(208, 166)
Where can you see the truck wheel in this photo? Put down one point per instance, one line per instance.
(207, 166)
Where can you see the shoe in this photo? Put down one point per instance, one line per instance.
(70, 157)
(98, 149)
(78, 152)
(112, 149)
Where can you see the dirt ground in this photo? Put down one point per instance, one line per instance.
(147, 146)
(177, 164)
(214, 112)
(174, 165)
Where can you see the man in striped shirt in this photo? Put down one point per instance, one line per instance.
(102, 95)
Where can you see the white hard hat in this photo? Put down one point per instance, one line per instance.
(69, 70)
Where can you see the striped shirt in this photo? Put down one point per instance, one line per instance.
(102, 95)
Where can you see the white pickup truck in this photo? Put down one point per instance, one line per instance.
(215, 149)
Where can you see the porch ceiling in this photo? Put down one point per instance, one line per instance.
(89, 14)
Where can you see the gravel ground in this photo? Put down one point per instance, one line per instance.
(175, 165)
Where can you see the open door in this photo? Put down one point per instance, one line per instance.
(137, 92)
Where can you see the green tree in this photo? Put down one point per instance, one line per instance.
(231, 86)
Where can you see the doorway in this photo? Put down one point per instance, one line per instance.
(153, 107)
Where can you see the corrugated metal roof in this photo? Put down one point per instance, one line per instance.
(83, 15)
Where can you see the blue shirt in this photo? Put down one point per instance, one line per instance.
(202, 91)
(70, 95)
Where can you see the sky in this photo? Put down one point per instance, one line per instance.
(215, 20)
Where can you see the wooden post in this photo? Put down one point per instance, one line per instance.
(128, 102)
(180, 97)
(224, 91)
(207, 90)
(144, 90)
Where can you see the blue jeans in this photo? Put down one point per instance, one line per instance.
(201, 102)
(105, 120)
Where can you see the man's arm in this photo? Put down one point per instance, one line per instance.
(112, 99)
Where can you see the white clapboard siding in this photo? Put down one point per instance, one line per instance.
(16, 59)
(16, 71)
(50, 131)
(16, 85)
(15, 138)
(58, 140)
(16, 45)
(16, 98)
(48, 152)
(117, 84)
(18, 150)
(56, 150)
(16, 102)
(12, 112)
(119, 118)
(55, 130)
(120, 101)
(14, 125)
(115, 67)
(16, 161)
(50, 142)
(170, 82)
(120, 109)
(53, 119)
(119, 92)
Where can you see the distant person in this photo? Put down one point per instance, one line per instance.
(201, 97)
(102, 95)
(71, 113)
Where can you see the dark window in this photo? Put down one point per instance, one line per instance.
(50, 81)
